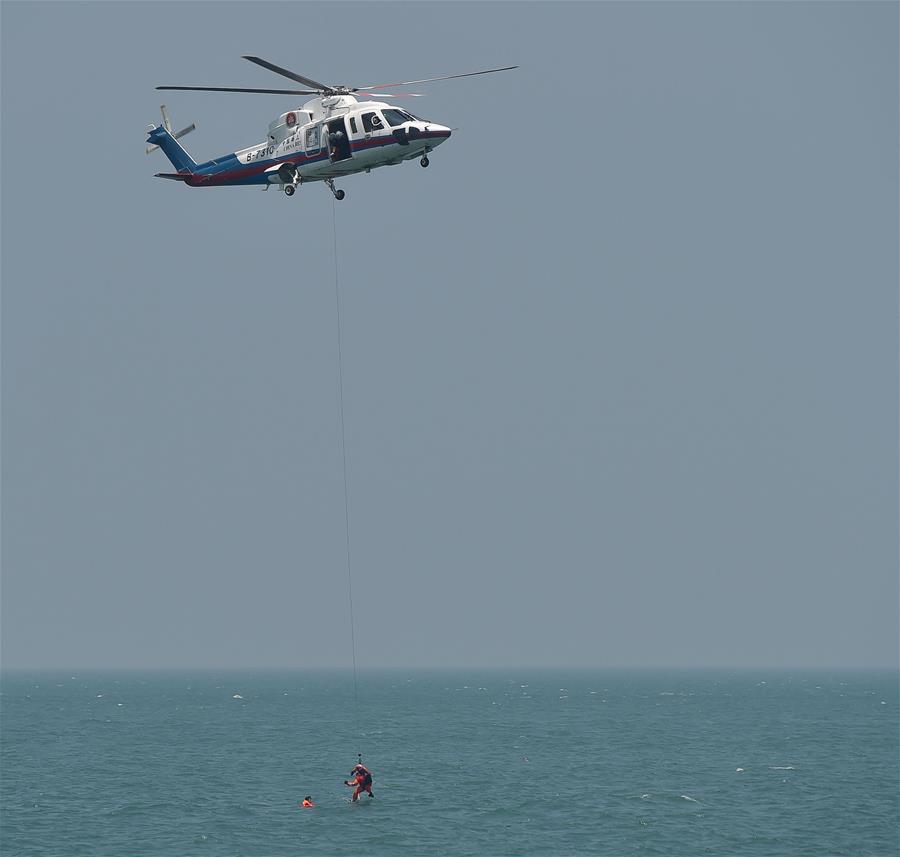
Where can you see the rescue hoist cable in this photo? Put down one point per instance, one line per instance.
(337, 300)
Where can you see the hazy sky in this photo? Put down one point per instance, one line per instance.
(620, 367)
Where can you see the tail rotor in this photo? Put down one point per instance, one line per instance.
(167, 124)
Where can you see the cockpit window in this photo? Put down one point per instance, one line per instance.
(372, 122)
(396, 117)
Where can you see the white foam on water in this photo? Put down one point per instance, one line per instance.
(691, 799)
(237, 696)
(781, 767)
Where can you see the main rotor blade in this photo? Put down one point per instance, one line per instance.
(391, 95)
(306, 81)
(432, 79)
(240, 89)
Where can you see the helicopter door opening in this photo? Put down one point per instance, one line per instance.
(338, 140)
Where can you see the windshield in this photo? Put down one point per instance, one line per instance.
(396, 117)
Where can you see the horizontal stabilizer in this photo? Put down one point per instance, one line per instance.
(179, 177)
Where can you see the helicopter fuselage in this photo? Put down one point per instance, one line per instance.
(325, 139)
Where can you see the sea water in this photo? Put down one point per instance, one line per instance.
(514, 762)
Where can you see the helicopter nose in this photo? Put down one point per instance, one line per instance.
(439, 133)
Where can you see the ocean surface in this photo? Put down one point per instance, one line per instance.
(514, 762)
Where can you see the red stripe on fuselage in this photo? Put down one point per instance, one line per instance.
(299, 160)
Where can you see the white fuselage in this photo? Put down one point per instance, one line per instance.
(325, 139)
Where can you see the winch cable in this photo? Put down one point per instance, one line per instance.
(337, 300)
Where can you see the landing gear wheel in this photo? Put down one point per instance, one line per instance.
(338, 194)
(289, 190)
(424, 162)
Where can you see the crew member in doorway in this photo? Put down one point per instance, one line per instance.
(361, 778)
(336, 141)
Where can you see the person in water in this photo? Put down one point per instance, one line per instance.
(361, 777)
(307, 801)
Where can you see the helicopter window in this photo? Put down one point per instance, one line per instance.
(396, 117)
(312, 137)
(372, 122)
(353, 124)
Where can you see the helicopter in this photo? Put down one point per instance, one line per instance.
(330, 136)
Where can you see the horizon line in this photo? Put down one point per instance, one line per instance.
(453, 667)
